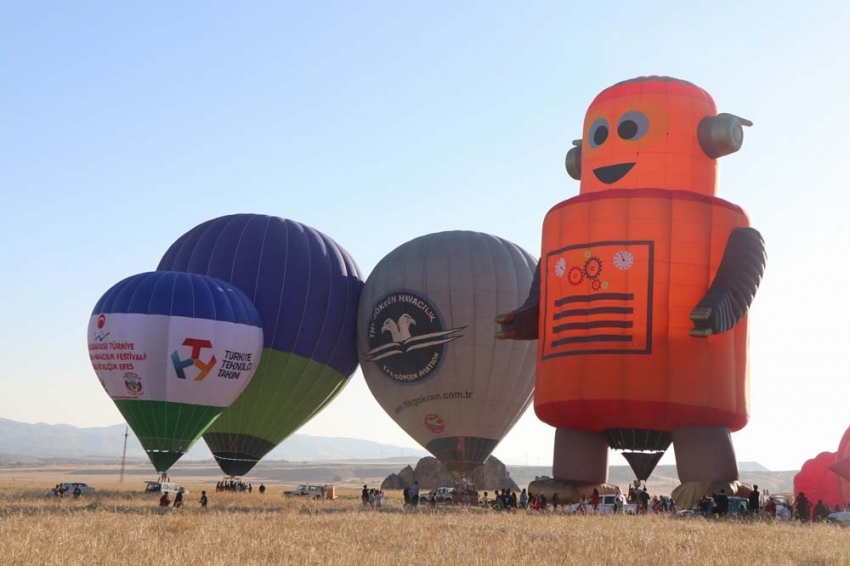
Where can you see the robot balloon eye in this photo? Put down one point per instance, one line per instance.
(632, 126)
(598, 132)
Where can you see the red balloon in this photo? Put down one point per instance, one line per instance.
(817, 481)
(841, 467)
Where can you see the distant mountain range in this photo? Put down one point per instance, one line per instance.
(30, 443)
(23, 441)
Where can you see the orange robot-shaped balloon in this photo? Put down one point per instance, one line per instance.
(642, 291)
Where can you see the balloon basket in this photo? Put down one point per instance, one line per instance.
(233, 484)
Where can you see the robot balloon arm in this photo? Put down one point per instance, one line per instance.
(522, 323)
(734, 286)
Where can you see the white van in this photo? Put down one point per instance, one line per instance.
(69, 488)
(606, 506)
(158, 487)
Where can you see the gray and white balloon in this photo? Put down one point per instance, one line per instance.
(425, 334)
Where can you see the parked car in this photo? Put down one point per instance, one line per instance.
(450, 495)
(167, 487)
(605, 507)
(441, 494)
(738, 506)
(841, 518)
(68, 488)
(312, 491)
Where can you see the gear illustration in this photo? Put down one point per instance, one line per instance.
(592, 267)
(575, 275)
(596, 284)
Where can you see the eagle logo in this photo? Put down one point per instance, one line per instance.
(403, 341)
(406, 337)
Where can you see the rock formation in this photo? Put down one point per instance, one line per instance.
(431, 473)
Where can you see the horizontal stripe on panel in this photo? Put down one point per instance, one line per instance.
(593, 311)
(592, 338)
(595, 297)
(593, 324)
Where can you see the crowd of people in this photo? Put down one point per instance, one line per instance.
(62, 488)
(716, 505)
(801, 509)
(373, 498)
(639, 501)
(165, 500)
(720, 504)
(236, 485)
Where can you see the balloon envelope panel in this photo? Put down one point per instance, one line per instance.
(427, 346)
(173, 350)
(305, 288)
(620, 274)
(842, 466)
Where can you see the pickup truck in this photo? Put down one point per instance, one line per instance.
(312, 491)
(441, 494)
(450, 495)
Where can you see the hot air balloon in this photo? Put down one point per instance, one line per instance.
(841, 467)
(305, 287)
(645, 281)
(424, 333)
(827, 476)
(173, 350)
(818, 482)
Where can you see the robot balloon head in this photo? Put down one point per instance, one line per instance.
(654, 133)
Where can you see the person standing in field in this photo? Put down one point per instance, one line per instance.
(512, 500)
(755, 500)
(164, 501)
(178, 499)
(722, 501)
(414, 493)
(643, 498)
(804, 507)
(204, 500)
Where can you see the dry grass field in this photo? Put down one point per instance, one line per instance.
(117, 526)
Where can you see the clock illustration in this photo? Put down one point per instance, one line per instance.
(624, 260)
(560, 267)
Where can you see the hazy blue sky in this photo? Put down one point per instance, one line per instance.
(122, 125)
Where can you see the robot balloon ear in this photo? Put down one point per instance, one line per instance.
(573, 161)
(722, 134)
